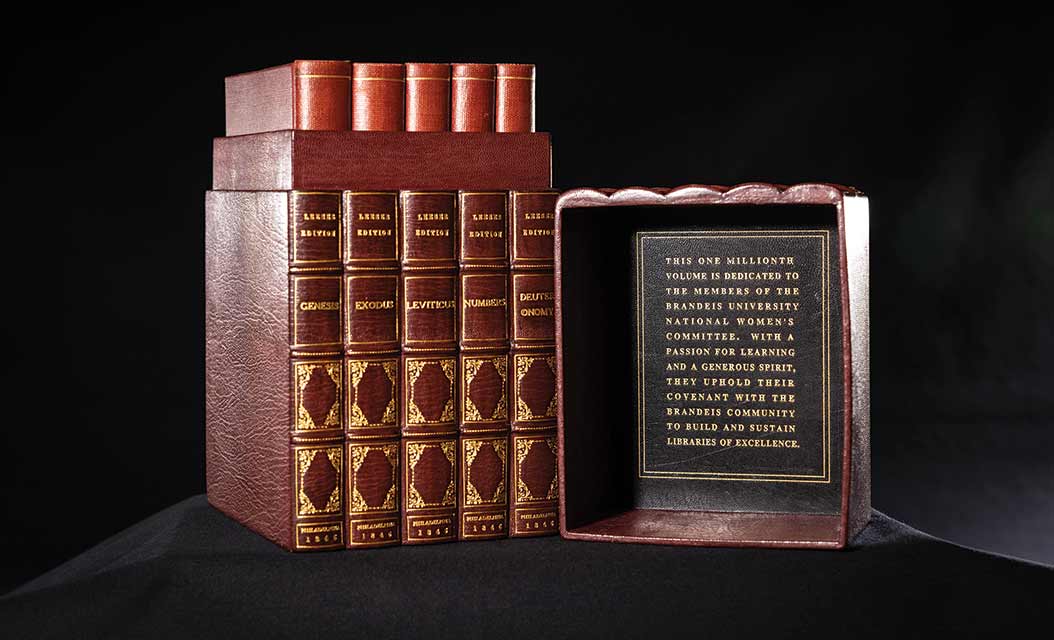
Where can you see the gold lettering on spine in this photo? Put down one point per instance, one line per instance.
(485, 302)
(432, 305)
(319, 305)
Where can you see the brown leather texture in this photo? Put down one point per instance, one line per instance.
(427, 96)
(382, 161)
(484, 380)
(472, 97)
(484, 303)
(484, 229)
(713, 528)
(514, 98)
(483, 420)
(429, 311)
(533, 307)
(371, 396)
(483, 493)
(533, 494)
(371, 230)
(428, 404)
(305, 94)
(533, 508)
(373, 483)
(262, 407)
(371, 313)
(377, 91)
(532, 214)
(533, 399)
(429, 489)
(314, 219)
(428, 225)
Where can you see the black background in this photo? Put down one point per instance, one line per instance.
(946, 122)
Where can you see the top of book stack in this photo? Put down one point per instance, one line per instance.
(326, 124)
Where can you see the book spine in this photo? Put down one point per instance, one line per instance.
(274, 455)
(427, 96)
(371, 367)
(514, 98)
(377, 91)
(316, 370)
(321, 95)
(533, 492)
(483, 365)
(428, 420)
(472, 97)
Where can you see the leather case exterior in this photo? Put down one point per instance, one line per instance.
(381, 161)
(377, 91)
(604, 516)
(427, 96)
(305, 94)
(472, 97)
(273, 410)
(514, 98)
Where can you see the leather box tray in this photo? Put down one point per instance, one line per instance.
(712, 347)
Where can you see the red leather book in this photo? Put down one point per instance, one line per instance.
(472, 97)
(381, 161)
(371, 366)
(532, 406)
(274, 396)
(305, 94)
(429, 306)
(427, 96)
(514, 98)
(377, 91)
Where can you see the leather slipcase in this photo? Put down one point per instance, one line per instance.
(628, 471)
(381, 161)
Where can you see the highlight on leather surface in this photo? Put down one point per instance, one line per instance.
(377, 91)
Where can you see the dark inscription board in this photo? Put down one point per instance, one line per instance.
(739, 369)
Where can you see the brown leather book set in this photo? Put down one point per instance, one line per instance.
(400, 310)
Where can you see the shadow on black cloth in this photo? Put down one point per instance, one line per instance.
(189, 571)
